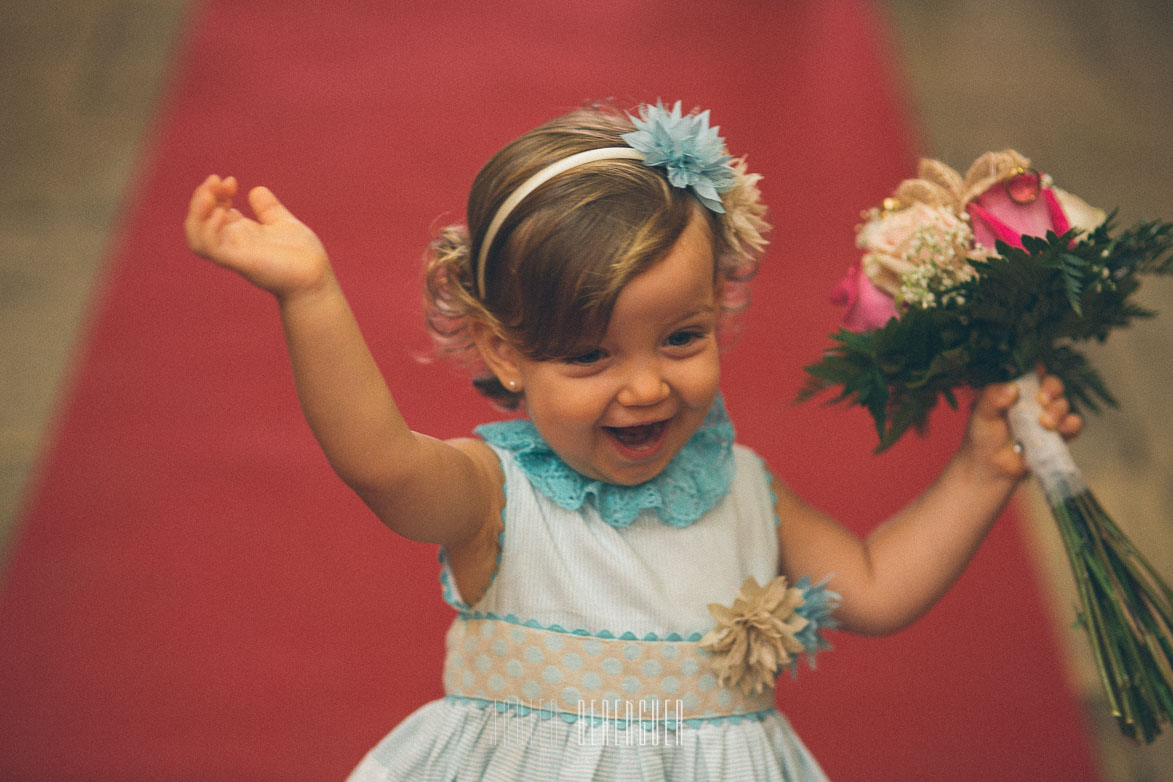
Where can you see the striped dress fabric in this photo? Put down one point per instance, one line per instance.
(580, 661)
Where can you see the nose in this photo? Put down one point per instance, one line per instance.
(643, 385)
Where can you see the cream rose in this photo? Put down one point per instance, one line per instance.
(896, 243)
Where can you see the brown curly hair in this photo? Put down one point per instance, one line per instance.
(560, 259)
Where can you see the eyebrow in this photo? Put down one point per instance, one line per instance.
(702, 311)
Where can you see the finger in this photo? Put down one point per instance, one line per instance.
(211, 194)
(266, 206)
(995, 400)
(225, 191)
(203, 198)
(1070, 426)
(1054, 412)
(1050, 387)
(201, 210)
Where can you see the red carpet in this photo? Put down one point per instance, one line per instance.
(194, 596)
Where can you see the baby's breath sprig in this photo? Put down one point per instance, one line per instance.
(934, 273)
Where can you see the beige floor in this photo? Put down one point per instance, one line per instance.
(1084, 87)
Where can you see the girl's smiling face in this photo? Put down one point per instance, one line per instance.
(620, 411)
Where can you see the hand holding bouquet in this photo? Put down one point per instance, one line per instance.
(978, 280)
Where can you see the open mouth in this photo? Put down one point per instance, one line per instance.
(638, 438)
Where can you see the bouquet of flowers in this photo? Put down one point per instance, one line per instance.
(977, 280)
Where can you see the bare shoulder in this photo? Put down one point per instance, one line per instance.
(787, 504)
(485, 461)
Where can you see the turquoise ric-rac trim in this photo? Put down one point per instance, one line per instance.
(449, 591)
(769, 475)
(689, 486)
(468, 615)
(569, 717)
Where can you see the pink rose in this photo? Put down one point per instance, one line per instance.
(1022, 206)
(867, 306)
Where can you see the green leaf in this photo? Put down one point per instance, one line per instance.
(1074, 269)
(1026, 305)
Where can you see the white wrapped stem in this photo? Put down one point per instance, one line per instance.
(1045, 452)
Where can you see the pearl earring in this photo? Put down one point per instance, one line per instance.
(512, 385)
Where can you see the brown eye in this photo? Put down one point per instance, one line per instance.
(682, 339)
(590, 357)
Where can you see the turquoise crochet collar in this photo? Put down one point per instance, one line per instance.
(687, 488)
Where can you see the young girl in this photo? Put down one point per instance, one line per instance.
(628, 580)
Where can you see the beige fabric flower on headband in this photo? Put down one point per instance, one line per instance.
(744, 221)
(755, 636)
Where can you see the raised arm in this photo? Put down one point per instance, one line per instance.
(423, 488)
(907, 563)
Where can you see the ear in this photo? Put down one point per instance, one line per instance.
(499, 355)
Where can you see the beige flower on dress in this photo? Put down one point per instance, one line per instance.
(755, 636)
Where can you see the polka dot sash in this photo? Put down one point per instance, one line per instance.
(497, 660)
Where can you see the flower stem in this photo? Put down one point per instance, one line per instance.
(1125, 606)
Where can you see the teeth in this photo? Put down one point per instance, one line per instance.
(635, 436)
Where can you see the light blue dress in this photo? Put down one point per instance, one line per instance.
(580, 661)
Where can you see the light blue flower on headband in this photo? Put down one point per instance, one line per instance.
(687, 148)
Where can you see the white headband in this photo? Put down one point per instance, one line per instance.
(536, 181)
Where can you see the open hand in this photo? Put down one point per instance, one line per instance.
(276, 251)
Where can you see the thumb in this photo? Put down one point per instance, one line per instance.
(266, 206)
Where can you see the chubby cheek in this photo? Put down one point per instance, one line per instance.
(698, 384)
(563, 414)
